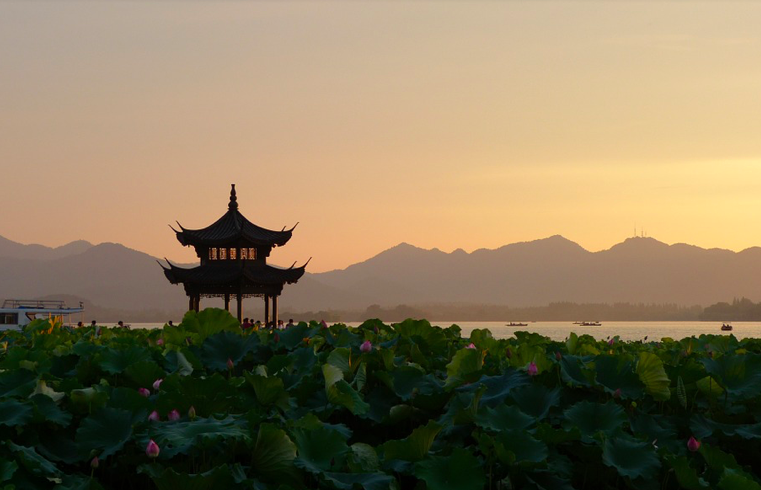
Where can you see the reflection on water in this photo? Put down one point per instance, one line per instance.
(625, 330)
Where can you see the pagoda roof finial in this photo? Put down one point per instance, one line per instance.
(233, 199)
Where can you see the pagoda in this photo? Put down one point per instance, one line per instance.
(233, 254)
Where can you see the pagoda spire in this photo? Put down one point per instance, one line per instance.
(233, 200)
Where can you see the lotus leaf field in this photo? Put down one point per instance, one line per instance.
(203, 405)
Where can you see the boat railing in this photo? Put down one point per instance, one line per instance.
(48, 304)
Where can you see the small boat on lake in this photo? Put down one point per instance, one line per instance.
(514, 324)
(16, 314)
(590, 324)
(726, 327)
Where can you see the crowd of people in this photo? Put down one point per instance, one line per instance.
(257, 325)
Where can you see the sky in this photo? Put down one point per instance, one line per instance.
(441, 124)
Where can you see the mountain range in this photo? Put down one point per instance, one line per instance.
(554, 269)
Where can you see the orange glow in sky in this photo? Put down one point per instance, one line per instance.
(442, 124)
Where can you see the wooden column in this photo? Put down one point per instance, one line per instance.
(274, 310)
(227, 301)
(266, 309)
(240, 307)
(191, 302)
(197, 301)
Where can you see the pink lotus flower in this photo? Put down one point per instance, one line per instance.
(230, 364)
(95, 462)
(144, 392)
(611, 341)
(470, 346)
(192, 412)
(160, 341)
(558, 355)
(532, 369)
(366, 346)
(152, 449)
(324, 325)
(173, 415)
(693, 444)
(157, 383)
(154, 416)
(617, 393)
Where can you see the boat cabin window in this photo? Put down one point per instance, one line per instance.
(8, 318)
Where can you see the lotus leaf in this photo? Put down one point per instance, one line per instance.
(574, 370)
(465, 366)
(591, 417)
(208, 322)
(535, 399)
(415, 447)
(735, 480)
(321, 449)
(274, 454)
(740, 375)
(503, 418)
(115, 361)
(221, 346)
(17, 383)
(366, 481)
(363, 458)
(653, 376)
(33, 462)
(168, 479)
(106, 432)
(458, 471)
(14, 412)
(47, 410)
(632, 458)
(617, 373)
(519, 446)
(181, 437)
(685, 474)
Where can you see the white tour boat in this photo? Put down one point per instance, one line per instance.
(15, 314)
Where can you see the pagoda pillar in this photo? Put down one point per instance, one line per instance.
(266, 309)
(240, 307)
(274, 310)
(198, 303)
(191, 302)
(227, 301)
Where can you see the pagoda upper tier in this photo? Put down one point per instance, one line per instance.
(233, 228)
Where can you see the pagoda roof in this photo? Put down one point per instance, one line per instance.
(223, 274)
(233, 227)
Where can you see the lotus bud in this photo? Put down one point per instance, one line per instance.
(532, 369)
(611, 341)
(617, 393)
(152, 449)
(154, 416)
(645, 337)
(173, 415)
(159, 341)
(95, 462)
(324, 325)
(366, 346)
(509, 353)
(470, 346)
(230, 364)
(144, 392)
(157, 383)
(192, 412)
(693, 444)
(375, 329)
(558, 355)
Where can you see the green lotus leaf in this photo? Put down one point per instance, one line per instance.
(311, 422)
(552, 436)
(363, 458)
(415, 447)
(574, 370)
(653, 376)
(183, 436)
(221, 346)
(320, 449)
(656, 427)
(503, 418)
(130, 400)
(465, 366)
(168, 479)
(14, 413)
(88, 399)
(178, 362)
(340, 357)
(617, 373)
(717, 459)
(291, 337)
(58, 446)
(273, 455)
(19, 383)
(339, 392)
(269, 390)
(458, 471)
(709, 387)
(535, 399)
(7, 469)
(115, 361)
(33, 462)
(366, 481)
(631, 457)
(144, 373)
(208, 322)
(703, 427)
(105, 432)
(498, 388)
(519, 446)
(591, 417)
(47, 410)
(410, 379)
(686, 475)
(78, 482)
(544, 480)
(740, 375)
(736, 480)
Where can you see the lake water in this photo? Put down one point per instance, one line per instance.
(625, 330)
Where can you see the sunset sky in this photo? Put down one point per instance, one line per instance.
(441, 124)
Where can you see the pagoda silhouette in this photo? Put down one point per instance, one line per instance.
(233, 254)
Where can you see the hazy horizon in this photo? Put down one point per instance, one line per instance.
(445, 125)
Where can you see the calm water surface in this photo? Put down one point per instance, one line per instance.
(625, 330)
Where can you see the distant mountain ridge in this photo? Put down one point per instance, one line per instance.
(521, 274)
